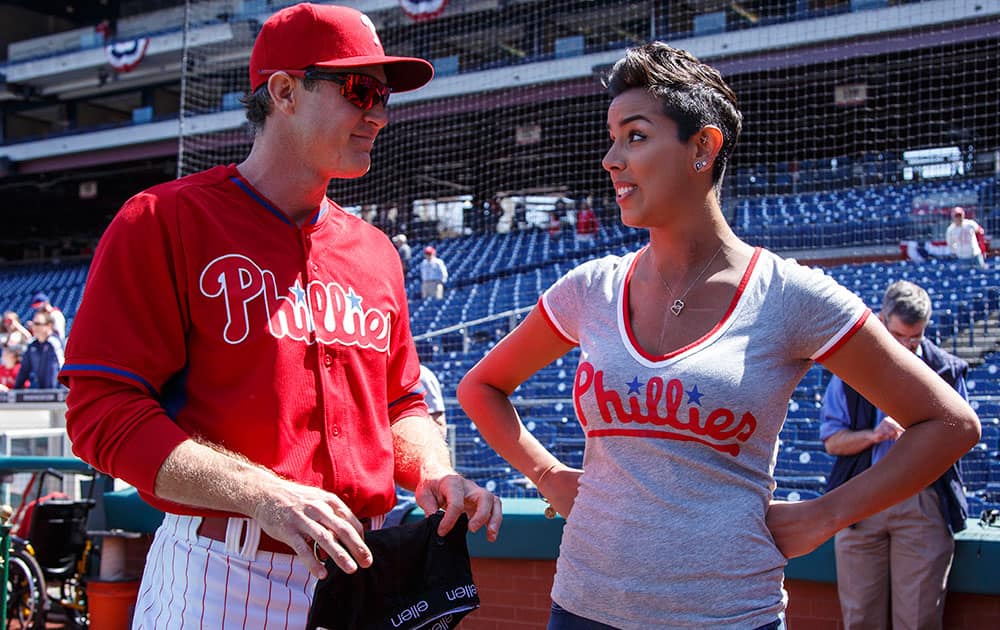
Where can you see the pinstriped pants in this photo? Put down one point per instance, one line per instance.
(193, 582)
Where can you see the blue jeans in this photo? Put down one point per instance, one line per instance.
(562, 619)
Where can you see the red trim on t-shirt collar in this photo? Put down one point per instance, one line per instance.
(725, 317)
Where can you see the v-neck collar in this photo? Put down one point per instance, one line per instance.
(625, 323)
(314, 222)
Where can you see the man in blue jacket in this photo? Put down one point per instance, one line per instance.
(43, 358)
(902, 555)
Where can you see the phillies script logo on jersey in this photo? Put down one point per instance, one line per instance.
(659, 413)
(329, 311)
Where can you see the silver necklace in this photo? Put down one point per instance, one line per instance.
(679, 303)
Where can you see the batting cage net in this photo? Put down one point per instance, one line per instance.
(865, 122)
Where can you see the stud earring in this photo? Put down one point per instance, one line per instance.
(700, 164)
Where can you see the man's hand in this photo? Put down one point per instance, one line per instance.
(450, 491)
(888, 429)
(301, 515)
(296, 514)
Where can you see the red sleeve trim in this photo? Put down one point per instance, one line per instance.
(556, 328)
(847, 335)
(411, 404)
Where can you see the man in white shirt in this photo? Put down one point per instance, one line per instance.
(962, 238)
(433, 275)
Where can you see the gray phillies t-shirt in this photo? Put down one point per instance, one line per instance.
(668, 529)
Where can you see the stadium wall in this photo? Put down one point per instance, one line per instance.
(514, 575)
(515, 596)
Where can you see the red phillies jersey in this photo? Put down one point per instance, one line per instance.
(208, 313)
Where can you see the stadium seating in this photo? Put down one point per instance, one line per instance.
(838, 216)
(63, 282)
(496, 275)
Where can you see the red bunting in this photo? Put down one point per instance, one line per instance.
(423, 9)
(125, 56)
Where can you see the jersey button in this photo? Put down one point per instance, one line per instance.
(327, 360)
(335, 431)
(315, 267)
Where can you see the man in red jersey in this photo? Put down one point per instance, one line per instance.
(263, 386)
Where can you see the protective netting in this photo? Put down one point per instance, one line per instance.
(862, 127)
(865, 122)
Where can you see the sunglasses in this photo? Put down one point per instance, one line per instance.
(907, 341)
(361, 90)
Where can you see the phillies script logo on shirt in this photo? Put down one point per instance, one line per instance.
(661, 410)
(330, 311)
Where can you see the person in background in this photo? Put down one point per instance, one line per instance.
(965, 239)
(520, 221)
(40, 302)
(404, 250)
(556, 218)
(433, 275)
(897, 560)
(434, 398)
(15, 335)
(10, 363)
(586, 224)
(44, 357)
(690, 349)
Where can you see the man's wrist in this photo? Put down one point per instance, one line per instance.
(435, 470)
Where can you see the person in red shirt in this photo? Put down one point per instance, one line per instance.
(586, 224)
(9, 367)
(263, 388)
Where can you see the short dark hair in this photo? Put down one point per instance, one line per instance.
(693, 94)
(259, 105)
(907, 301)
(47, 316)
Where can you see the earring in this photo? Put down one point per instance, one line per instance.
(700, 164)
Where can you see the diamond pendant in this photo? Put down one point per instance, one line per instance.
(677, 307)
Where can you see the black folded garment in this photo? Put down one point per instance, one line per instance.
(417, 580)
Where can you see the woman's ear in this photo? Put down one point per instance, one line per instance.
(707, 144)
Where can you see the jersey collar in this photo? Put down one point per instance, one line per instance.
(313, 223)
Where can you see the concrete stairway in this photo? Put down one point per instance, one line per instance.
(982, 343)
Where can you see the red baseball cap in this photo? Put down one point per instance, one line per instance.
(327, 36)
(429, 250)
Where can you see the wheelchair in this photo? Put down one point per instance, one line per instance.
(55, 557)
